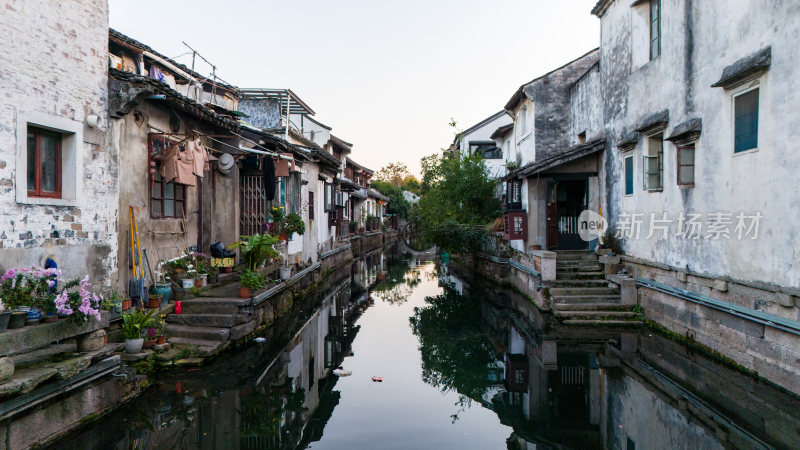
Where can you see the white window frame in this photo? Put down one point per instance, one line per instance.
(71, 132)
(750, 86)
(659, 158)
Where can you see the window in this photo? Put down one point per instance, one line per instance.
(517, 225)
(655, 29)
(328, 197)
(488, 150)
(582, 137)
(653, 164)
(44, 163)
(745, 107)
(516, 191)
(523, 121)
(310, 205)
(166, 199)
(629, 175)
(686, 165)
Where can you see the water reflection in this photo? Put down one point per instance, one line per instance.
(465, 366)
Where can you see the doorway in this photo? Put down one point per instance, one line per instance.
(566, 199)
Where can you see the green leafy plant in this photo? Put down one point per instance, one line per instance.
(135, 322)
(295, 224)
(252, 280)
(353, 226)
(257, 249)
(282, 224)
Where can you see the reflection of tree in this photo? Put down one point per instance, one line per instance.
(400, 279)
(271, 417)
(456, 351)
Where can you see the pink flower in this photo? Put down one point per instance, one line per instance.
(10, 273)
(62, 304)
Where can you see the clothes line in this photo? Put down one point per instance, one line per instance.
(239, 148)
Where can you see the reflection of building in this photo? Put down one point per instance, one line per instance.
(603, 388)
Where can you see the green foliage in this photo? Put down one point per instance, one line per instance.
(134, 322)
(398, 205)
(394, 174)
(458, 201)
(281, 223)
(353, 226)
(295, 224)
(257, 249)
(457, 353)
(252, 280)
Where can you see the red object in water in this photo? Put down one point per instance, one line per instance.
(377, 379)
(178, 307)
(178, 387)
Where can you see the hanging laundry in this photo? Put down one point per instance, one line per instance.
(156, 74)
(178, 165)
(169, 163)
(199, 157)
(268, 174)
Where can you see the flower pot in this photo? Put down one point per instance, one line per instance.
(49, 318)
(4, 318)
(284, 237)
(148, 344)
(187, 283)
(17, 319)
(227, 269)
(198, 282)
(133, 345)
(127, 304)
(161, 340)
(286, 272)
(245, 292)
(154, 302)
(34, 315)
(165, 291)
(204, 280)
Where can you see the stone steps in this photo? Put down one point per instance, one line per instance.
(576, 257)
(577, 290)
(603, 323)
(24, 360)
(198, 332)
(555, 284)
(586, 298)
(204, 320)
(202, 346)
(598, 315)
(214, 305)
(583, 267)
(591, 307)
(579, 275)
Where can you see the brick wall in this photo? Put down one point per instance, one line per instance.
(54, 63)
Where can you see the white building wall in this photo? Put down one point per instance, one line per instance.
(53, 72)
(483, 134)
(680, 80)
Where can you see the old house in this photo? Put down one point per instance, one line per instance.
(478, 139)
(156, 105)
(58, 176)
(558, 154)
(700, 203)
(359, 195)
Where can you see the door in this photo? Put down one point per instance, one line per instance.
(571, 200)
(253, 204)
(552, 216)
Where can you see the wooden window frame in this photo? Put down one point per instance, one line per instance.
(657, 156)
(680, 164)
(655, 29)
(156, 182)
(310, 205)
(38, 133)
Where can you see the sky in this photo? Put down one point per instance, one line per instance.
(386, 76)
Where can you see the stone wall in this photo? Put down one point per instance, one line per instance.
(53, 70)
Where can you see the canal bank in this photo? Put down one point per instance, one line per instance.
(741, 324)
(472, 366)
(66, 375)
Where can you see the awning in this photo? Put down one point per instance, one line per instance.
(562, 158)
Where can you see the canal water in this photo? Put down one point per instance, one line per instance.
(400, 353)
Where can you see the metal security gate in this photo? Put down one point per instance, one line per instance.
(253, 205)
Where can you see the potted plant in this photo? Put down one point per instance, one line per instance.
(4, 318)
(284, 225)
(126, 304)
(353, 226)
(150, 338)
(153, 301)
(256, 250)
(132, 325)
(161, 330)
(249, 281)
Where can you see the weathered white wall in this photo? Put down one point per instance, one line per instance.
(698, 43)
(586, 108)
(497, 167)
(54, 63)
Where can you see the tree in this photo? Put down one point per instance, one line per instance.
(458, 201)
(398, 205)
(394, 174)
(410, 184)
